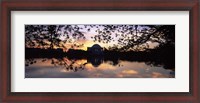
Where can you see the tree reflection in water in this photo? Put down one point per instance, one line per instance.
(79, 65)
(70, 65)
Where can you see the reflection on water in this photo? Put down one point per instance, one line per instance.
(93, 68)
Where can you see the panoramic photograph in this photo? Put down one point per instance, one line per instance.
(99, 51)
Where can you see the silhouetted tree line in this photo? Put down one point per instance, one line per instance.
(162, 56)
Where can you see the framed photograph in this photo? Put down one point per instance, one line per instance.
(142, 51)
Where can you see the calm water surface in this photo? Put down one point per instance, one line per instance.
(65, 68)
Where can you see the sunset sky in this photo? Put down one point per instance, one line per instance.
(89, 41)
(89, 31)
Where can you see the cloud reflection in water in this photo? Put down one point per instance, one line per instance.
(125, 69)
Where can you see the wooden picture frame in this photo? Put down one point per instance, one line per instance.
(99, 5)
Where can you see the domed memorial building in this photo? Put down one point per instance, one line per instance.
(96, 49)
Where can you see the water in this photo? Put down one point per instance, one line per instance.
(96, 68)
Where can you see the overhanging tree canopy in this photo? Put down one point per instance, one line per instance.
(126, 37)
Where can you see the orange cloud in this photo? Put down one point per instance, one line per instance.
(129, 72)
(157, 75)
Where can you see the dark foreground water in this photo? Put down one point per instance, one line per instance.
(82, 68)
